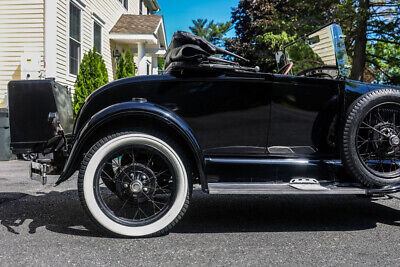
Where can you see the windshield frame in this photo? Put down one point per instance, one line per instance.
(337, 37)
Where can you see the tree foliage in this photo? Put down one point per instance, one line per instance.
(264, 26)
(371, 28)
(92, 75)
(211, 31)
(125, 66)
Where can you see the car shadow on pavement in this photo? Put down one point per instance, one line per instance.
(61, 212)
(229, 214)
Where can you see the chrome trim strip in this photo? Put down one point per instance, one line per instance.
(262, 161)
(277, 189)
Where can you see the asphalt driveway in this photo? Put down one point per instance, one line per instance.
(45, 225)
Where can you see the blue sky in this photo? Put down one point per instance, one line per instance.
(178, 14)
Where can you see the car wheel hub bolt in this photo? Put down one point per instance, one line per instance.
(394, 140)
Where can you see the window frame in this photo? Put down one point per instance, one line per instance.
(95, 22)
(141, 7)
(124, 3)
(149, 68)
(71, 39)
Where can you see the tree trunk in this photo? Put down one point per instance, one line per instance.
(360, 44)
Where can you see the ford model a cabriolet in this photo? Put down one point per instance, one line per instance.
(141, 144)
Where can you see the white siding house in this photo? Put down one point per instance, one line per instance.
(48, 38)
(21, 31)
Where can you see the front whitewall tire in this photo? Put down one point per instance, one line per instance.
(162, 224)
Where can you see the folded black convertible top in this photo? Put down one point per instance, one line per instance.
(190, 54)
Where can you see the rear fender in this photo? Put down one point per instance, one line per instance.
(144, 111)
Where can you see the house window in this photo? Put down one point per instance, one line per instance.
(74, 39)
(97, 37)
(140, 7)
(124, 3)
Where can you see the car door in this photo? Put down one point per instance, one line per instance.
(229, 115)
(303, 113)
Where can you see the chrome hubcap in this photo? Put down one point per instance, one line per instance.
(136, 187)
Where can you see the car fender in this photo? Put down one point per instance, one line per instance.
(144, 110)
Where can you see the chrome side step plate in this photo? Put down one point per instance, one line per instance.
(292, 188)
(307, 184)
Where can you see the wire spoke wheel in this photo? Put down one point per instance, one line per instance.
(144, 185)
(378, 141)
(134, 184)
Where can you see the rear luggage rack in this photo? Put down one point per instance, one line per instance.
(39, 111)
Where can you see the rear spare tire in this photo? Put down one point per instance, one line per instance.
(371, 138)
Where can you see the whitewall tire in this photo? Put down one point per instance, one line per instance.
(133, 192)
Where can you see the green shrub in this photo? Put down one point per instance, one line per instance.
(92, 75)
(121, 71)
(161, 63)
(125, 66)
(130, 66)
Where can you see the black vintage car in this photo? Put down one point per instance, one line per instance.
(141, 144)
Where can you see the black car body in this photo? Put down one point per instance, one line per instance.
(244, 132)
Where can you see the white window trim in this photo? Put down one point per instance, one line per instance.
(78, 4)
(69, 74)
(98, 19)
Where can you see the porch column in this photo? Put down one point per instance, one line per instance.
(155, 65)
(142, 68)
